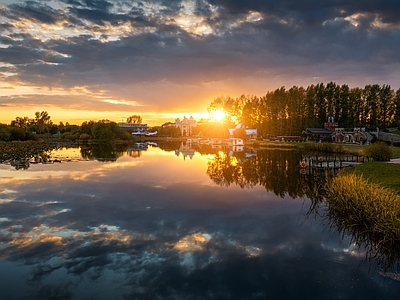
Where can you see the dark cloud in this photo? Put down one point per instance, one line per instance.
(106, 43)
(34, 11)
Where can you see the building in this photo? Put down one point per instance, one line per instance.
(134, 127)
(186, 150)
(319, 134)
(250, 133)
(338, 135)
(356, 135)
(186, 125)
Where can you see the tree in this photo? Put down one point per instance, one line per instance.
(21, 122)
(386, 106)
(42, 121)
(5, 134)
(397, 107)
(86, 127)
(135, 119)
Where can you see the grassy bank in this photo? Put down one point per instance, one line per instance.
(367, 211)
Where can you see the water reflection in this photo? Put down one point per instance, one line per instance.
(382, 248)
(276, 170)
(155, 226)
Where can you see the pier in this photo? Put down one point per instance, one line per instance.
(331, 162)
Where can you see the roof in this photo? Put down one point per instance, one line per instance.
(317, 131)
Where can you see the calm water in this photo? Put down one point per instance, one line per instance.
(175, 224)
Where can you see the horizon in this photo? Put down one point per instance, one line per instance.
(91, 60)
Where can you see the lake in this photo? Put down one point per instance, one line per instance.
(175, 221)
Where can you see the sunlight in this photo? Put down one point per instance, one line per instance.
(217, 116)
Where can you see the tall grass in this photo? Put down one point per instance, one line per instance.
(369, 212)
(379, 151)
(323, 147)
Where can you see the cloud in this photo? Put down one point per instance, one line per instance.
(116, 45)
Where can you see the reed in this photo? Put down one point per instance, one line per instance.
(323, 148)
(378, 151)
(367, 211)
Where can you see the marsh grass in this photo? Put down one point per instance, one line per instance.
(367, 211)
(323, 148)
(357, 149)
(274, 145)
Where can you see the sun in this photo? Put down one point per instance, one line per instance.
(217, 115)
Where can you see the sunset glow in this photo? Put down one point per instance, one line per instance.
(217, 116)
(82, 60)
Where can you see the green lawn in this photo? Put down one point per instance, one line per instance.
(382, 173)
(357, 149)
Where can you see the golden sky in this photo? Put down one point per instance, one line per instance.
(98, 59)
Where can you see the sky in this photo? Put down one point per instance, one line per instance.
(83, 60)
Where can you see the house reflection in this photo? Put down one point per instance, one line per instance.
(186, 150)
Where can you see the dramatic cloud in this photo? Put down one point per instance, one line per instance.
(172, 55)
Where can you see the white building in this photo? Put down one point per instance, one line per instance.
(135, 127)
(186, 125)
(250, 133)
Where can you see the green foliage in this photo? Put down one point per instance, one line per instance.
(168, 130)
(85, 137)
(323, 148)
(378, 151)
(69, 136)
(5, 134)
(86, 127)
(107, 131)
(123, 135)
(104, 131)
(18, 134)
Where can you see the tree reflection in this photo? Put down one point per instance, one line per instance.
(103, 152)
(277, 170)
(21, 154)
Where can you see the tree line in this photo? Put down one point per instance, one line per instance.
(41, 126)
(290, 111)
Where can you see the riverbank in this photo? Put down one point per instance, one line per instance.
(385, 174)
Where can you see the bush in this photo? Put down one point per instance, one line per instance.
(378, 151)
(84, 137)
(69, 136)
(323, 147)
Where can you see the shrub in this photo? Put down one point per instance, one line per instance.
(69, 136)
(323, 147)
(378, 151)
(84, 137)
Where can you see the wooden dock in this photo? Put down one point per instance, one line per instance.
(331, 162)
